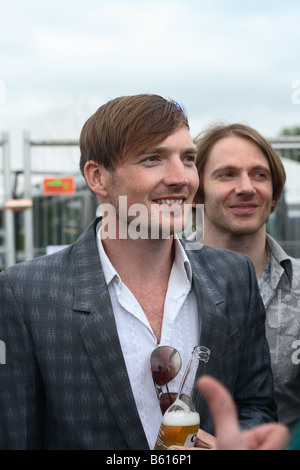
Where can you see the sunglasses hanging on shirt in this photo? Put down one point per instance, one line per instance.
(165, 364)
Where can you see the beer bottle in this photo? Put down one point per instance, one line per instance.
(181, 420)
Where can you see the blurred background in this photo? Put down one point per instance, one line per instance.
(59, 61)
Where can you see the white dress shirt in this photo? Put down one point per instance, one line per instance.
(180, 329)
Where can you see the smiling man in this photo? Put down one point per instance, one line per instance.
(80, 325)
(159, 182)
(241, 181)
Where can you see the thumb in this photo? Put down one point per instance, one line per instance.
(224, 414)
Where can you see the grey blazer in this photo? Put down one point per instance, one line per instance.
(64, 384)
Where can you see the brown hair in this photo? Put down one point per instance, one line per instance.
(205, 141)
(126, 126)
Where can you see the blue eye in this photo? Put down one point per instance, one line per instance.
(191, 158)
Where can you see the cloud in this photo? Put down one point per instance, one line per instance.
(233, 60)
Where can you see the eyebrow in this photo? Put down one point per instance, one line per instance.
(190, 150)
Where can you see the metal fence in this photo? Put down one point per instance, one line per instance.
(7, 235)
(284, 223)
(54, 221)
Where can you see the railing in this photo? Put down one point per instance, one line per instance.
(287, 147)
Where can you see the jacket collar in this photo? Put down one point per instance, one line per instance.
(281, 257)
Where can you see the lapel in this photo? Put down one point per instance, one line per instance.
(214, 323)
(211, 306)
(100, 337)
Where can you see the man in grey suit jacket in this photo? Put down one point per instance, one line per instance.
(79, 325)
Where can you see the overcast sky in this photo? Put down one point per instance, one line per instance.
(233, 60)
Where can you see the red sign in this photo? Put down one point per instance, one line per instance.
(58, 186)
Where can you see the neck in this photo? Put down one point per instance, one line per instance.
(252, 245)
(140, 260)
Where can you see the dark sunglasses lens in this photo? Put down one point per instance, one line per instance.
(166, 400)
(165, 364)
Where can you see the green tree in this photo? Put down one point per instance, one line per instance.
(290, 131)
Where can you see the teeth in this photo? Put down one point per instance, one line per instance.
(170, 202)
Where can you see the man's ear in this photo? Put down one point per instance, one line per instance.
(273, 205)
(97, 177)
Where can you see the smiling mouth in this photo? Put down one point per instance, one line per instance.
(243, 208)
(170, 202)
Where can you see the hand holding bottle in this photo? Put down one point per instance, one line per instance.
(229, 436)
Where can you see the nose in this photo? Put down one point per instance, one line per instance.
(245, 186)
(176, 174)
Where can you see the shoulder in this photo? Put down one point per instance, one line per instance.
(62, 262)
(39, 269)
(291, 265)
(216, 257)
(278, 252)
(221, 265)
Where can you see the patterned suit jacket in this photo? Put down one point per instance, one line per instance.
(64, 384)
